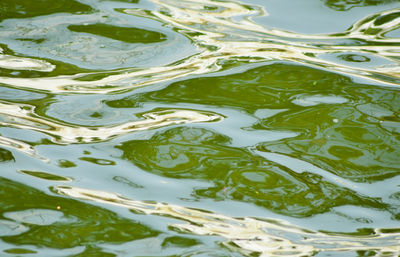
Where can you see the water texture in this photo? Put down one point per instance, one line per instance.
(199, 128)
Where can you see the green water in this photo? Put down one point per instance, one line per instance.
(199, 128)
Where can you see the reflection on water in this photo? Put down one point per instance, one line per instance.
(47, 223)
(12, 9)
(220, 38)
(237, 137)
(345, 5)
(239, 174)
(249, 235)
(22, 116)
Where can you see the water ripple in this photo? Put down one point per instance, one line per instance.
(226, 30)
(23, 116)
(302, 127)
(268, 237)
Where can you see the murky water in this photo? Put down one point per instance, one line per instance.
(200, 128)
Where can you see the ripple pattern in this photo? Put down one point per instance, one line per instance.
(199, 128)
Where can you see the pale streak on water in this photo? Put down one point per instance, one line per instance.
(232, 38)
(227, 32)
(24, 117)
(248, 235)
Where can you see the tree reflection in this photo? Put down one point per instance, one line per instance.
(344, 5)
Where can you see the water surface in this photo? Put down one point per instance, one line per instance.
(199, 128)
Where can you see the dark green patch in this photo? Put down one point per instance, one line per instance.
(44, 175)
(6, 156)
(85, 225)
(19, 251)
(34, 40)
(344, 5)
(195, 153)
(125, 34)
(97, 161)
(66, 164)
(386, 18)
(338, 138)
(179, 241)
(96, 115)
(27, 8)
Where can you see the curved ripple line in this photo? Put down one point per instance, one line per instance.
(278, 44)
(300, 166)
(21, 146)
(247, 235)
(23, 116)
(228, 32)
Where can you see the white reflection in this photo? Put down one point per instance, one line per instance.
(225, 30)
(269, 237)
(23, 116)
(20, 146)
(21, 63)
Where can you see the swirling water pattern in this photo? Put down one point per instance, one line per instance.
(199, 128)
